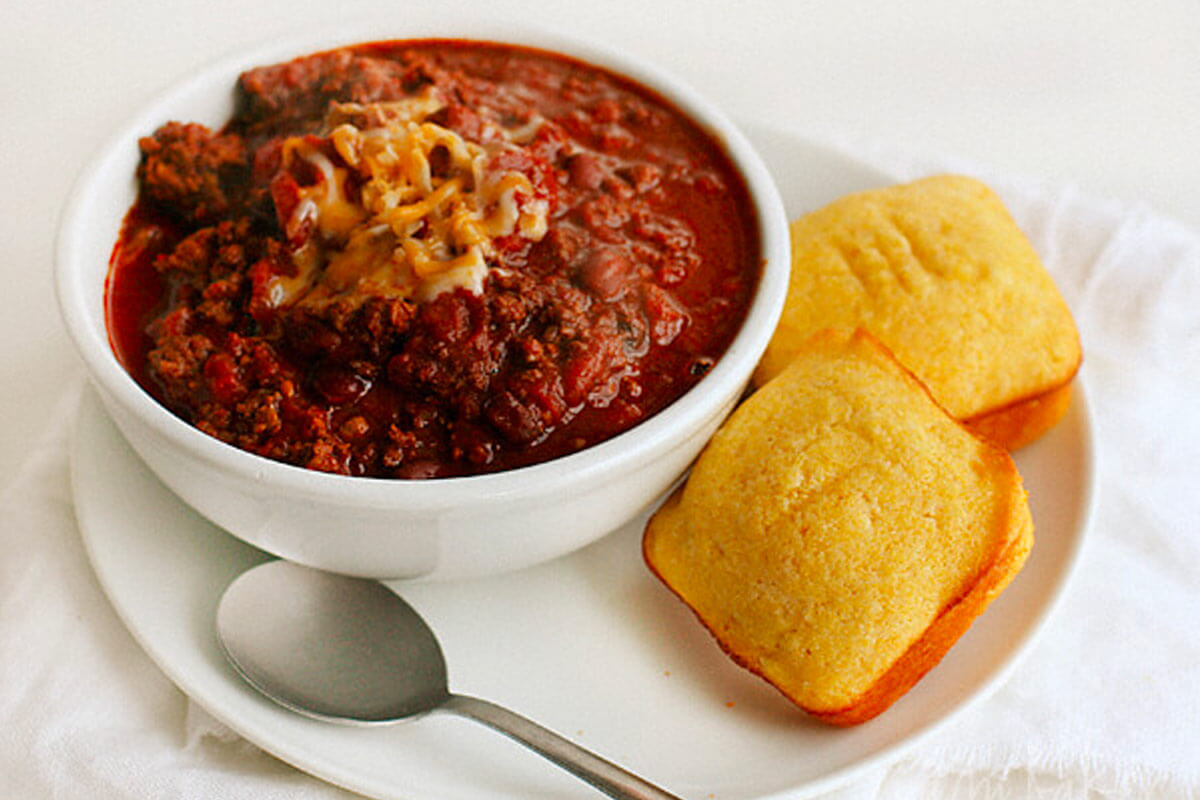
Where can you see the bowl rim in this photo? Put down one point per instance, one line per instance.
(641, 444)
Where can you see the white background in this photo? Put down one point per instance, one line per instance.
(1101, 95)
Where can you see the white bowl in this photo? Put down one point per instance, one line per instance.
(445, 528)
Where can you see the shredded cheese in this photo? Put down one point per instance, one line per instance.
(423, 222)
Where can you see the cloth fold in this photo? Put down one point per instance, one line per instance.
(1107, 702)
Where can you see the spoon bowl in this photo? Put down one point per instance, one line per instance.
(329, 647)
(350, 650)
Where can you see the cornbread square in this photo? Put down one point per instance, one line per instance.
(941, 274)
(841, 531)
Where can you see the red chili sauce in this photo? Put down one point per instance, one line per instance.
(245, 292)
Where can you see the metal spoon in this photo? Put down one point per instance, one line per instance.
(349, 650)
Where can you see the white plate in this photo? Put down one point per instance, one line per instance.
(590, 645)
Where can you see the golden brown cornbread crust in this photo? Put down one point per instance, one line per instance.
(1025, 421)
(926, 652)
(938, 270)
(841, 531)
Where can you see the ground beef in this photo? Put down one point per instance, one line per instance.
(187, 170)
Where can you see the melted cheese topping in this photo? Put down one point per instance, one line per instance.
(407, 208)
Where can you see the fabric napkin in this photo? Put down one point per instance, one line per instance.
(1107, 703)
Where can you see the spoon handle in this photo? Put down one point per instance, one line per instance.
(606, 776)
